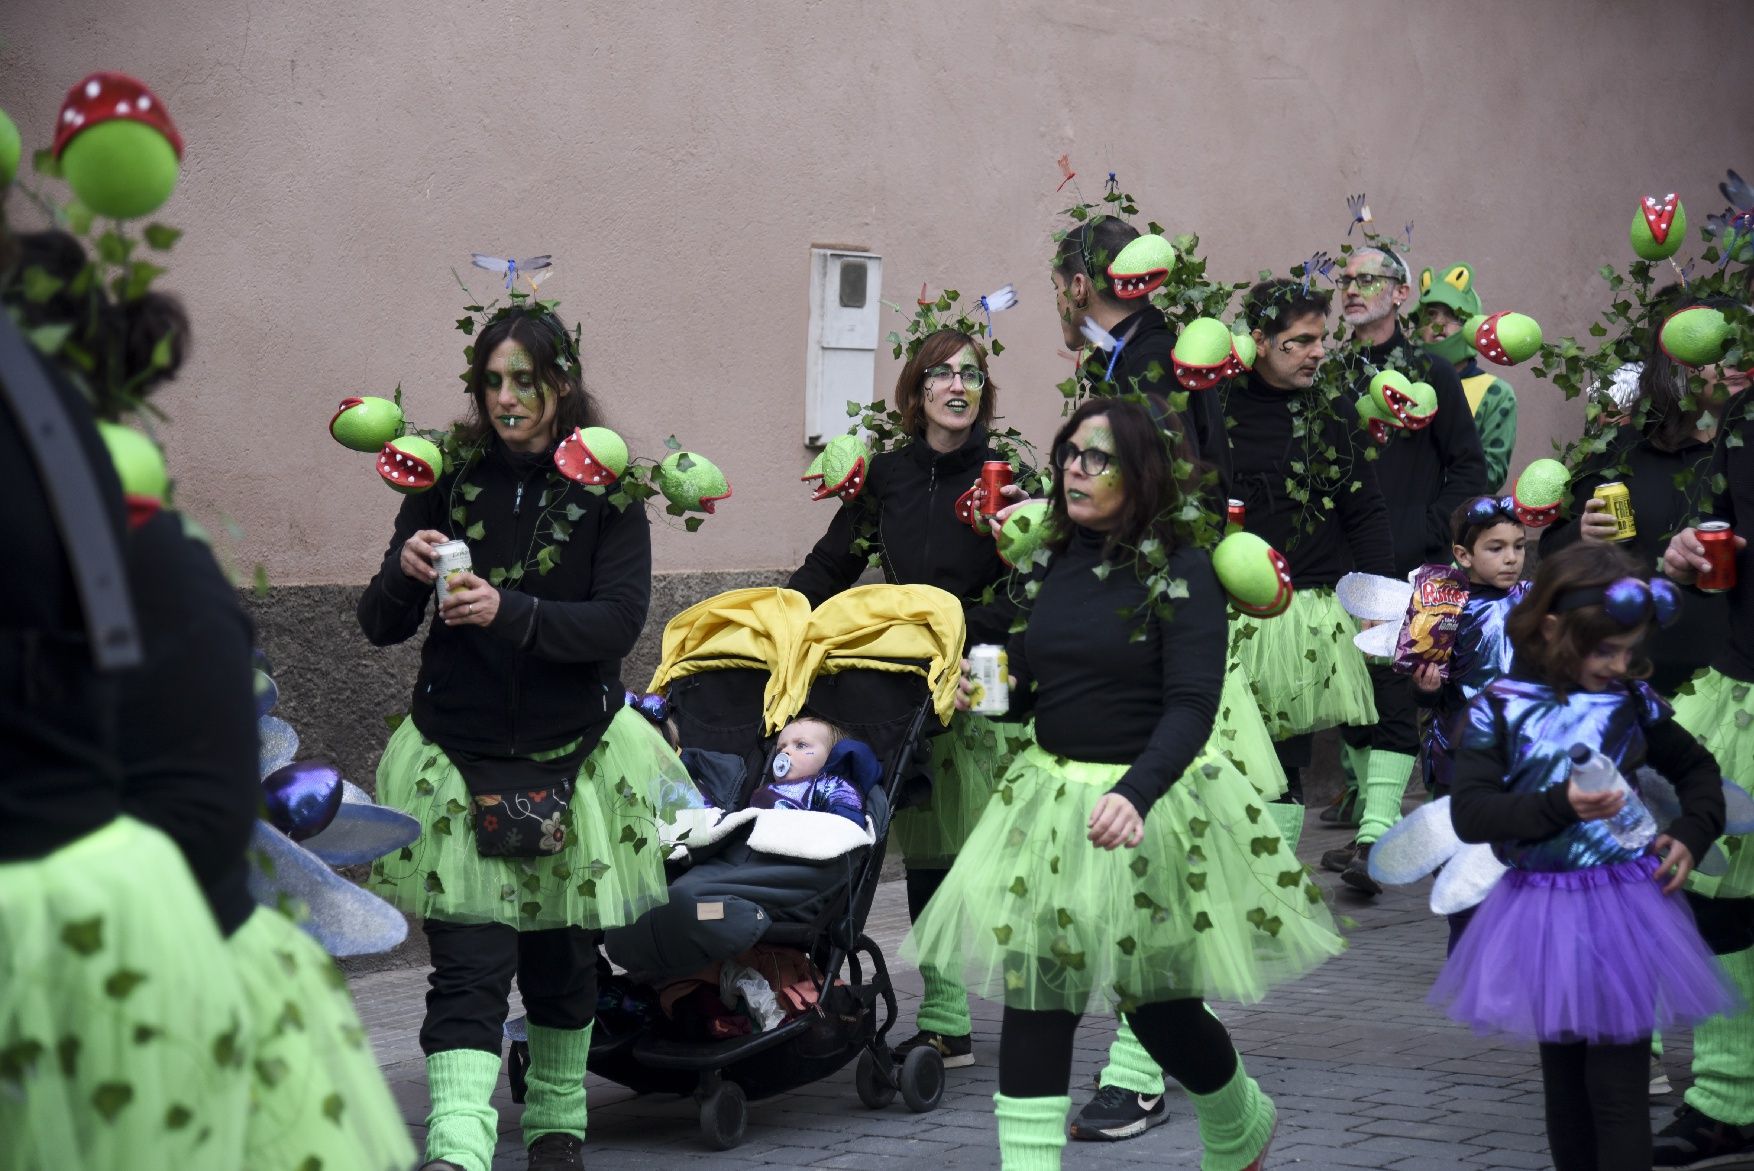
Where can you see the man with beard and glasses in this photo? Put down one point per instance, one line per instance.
(1425, 476)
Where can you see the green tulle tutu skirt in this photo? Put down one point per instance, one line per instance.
(1241, 735)
(610, 872)
(1211, 904)
(317, 1098)
(1303, 667)
(124, 1034)
(1719, 711)
(967, 761)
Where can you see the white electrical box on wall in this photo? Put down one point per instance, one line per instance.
(841, 364)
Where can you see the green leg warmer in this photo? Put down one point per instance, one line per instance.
(556, 1081)
(1354, 764)
(1129, 1066)
(1384, 785)
(463, 1127)
(1235, 1123)
(1723, 1053)
(944, 1004)
(1032, 1132)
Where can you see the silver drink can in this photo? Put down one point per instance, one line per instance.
(989, 676)
(450, 559)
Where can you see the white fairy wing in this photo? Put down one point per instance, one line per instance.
(1714, 865)
(279, 743)
(1369, 596)
(1416, 845)
(1379, 640)
(1658, 796)
(1466, 880)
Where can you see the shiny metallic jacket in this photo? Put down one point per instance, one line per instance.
(1535, 729)
(820, 794)
(1482, 654)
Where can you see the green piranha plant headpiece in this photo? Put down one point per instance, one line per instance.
(691, 482)
(365, 423)
(1695, 336)
(1540, 492)
(1023, 533)
(839, 469)
(410, 464)
(592, 456)
(1386, 405)
(1504, 337)
(116, 147)
(1206, 353)
(141, 469)
(1659, 227)
(1255, 575)
(1142, 266)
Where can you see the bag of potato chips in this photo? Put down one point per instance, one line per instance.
(1429, 633)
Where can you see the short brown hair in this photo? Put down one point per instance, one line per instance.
(936, 348)
(1581, 566)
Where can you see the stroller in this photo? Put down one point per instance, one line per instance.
(880, 662)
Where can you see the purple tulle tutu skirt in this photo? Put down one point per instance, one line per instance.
(1599, 955)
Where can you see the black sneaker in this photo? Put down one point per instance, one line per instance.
(1116, 1114)
(957, 1052)
(1357, 872)
(557, 1152)
(1698, 1140)
(1340, 857)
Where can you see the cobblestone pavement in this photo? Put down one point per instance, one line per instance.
(1364, 1074)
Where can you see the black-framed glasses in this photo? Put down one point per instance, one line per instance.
(973, 377)
(1487, 509)
(1092, 461)
(1367, 282)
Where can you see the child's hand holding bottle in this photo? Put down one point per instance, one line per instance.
(1594, 806)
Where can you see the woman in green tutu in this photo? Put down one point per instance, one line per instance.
(533, 781)
(1120, 856)
(906, 514)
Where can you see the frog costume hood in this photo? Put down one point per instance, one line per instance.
(1453, 287)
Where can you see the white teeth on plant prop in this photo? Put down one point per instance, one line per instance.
(1142, 266)
(839, 469)
(592, 456)
(410, 464)
(1659, 227)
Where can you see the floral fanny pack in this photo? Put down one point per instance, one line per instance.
(519, 804)
(522, 823)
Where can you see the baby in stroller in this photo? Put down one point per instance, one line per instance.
(781, 857)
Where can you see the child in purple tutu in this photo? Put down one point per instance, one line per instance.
(1586, 945)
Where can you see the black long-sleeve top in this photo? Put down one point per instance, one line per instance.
(909, 504)
(1510, 777)
(1425, 475)
(1669, 490)
(1145, 365)
(544, 673)
(1733, 460)
(1100, 696)
(1264, 444)
(188, 743)
(60, 773)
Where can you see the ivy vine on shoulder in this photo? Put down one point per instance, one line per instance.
(544, 370)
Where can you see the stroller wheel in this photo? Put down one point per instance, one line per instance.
(875, 1083)
(517, 1066)
(723, 1115)
(922, 1079)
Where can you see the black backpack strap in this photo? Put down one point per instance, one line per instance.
(75, 502)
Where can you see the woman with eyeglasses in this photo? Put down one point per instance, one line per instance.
(905, 521)
(1121, 857)
(1664, 458)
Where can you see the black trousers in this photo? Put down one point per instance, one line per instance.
(471, 977)
(1187, 1042)
(921, 886)
(1598, 1106)
(1397, 714)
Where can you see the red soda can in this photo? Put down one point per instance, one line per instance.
(1234, 512)
(1719, 544)
(995, 474)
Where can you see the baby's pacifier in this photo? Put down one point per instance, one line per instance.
(782, 765)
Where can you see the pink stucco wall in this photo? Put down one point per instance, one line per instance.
(680, 159)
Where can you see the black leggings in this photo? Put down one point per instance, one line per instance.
(921, 886)
(1598, 1106)
(471, 977)
(1187, 1042)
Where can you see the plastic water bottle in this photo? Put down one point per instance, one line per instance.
(1633, 827)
